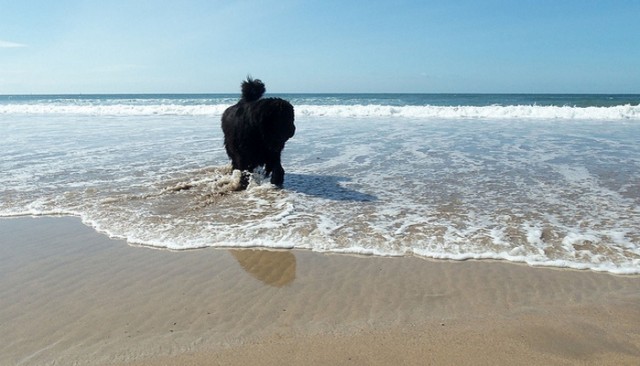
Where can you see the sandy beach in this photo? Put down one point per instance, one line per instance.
(69, 295)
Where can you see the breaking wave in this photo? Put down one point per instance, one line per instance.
(620, 112)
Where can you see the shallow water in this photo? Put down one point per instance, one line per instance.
(560, 190)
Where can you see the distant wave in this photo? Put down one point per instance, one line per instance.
(473, 112)
(620, 112)
(114, 109)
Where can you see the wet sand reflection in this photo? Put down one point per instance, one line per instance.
(274, 268)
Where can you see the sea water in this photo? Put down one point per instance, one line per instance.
(542, 179)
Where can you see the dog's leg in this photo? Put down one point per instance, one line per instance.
(273, 167)
(244, 180)
(277, 177)
(238, 162)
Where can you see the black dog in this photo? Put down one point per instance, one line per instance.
(255, 131)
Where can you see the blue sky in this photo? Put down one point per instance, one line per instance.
(130, 46)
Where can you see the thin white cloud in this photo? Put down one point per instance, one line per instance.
(6, 44)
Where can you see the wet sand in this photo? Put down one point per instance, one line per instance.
(69, 295)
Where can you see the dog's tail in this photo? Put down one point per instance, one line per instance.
(252, 89)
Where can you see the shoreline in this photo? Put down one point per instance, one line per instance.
(69, 294)
(579, 267)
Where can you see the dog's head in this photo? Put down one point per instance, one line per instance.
(277, 118)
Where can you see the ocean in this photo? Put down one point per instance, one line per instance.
(547, 180)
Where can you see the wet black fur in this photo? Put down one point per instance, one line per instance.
(255, 131)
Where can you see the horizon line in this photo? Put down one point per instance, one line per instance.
(317, 93)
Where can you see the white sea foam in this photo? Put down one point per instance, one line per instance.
(620, 112)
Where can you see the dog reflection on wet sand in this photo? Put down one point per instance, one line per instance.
(272, 267)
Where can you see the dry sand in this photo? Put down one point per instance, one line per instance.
(69, 295)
